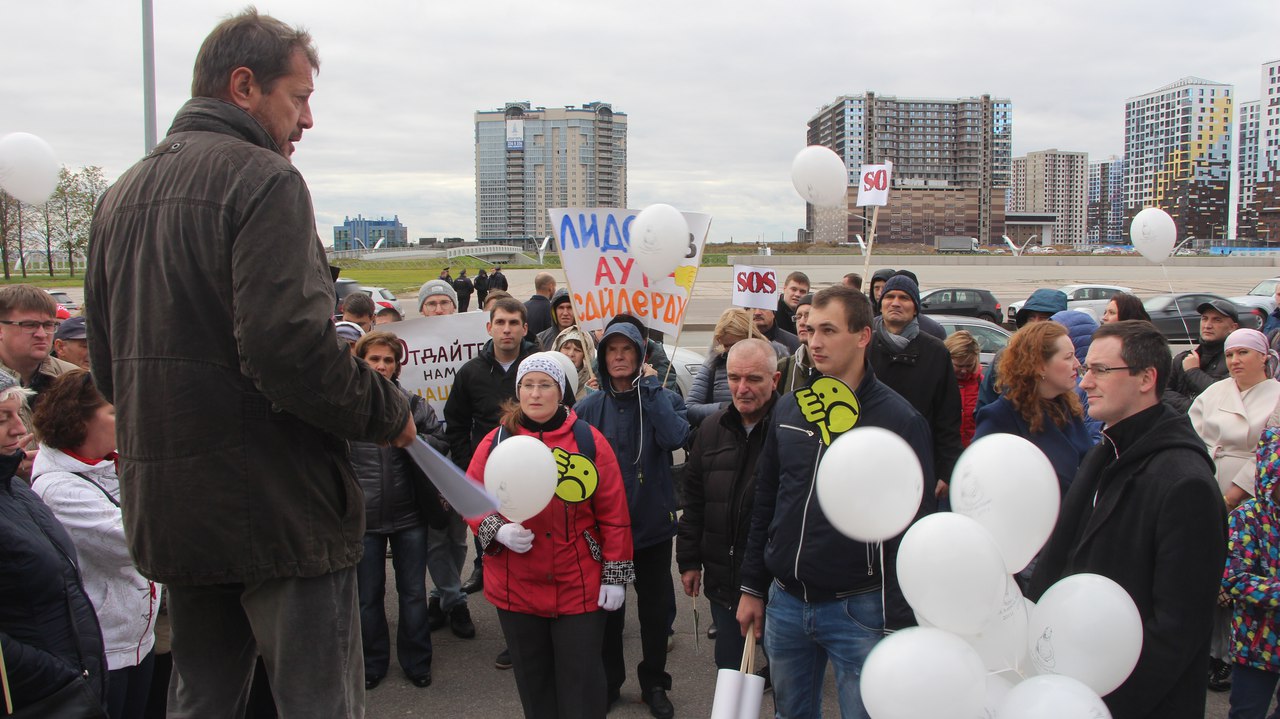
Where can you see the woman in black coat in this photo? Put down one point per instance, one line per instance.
(49, 633)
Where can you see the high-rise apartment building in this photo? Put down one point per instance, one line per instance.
(1053, 182)
(529, 159)
(951, 164)
(1267, 185)
(361, 233)
(1177, 154)
(1247, 156)
(1106, 216)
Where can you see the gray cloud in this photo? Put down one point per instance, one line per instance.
(717, 93)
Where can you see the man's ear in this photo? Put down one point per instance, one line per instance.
(242, 88)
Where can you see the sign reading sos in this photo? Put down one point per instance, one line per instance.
(874, 187)
(755, 281)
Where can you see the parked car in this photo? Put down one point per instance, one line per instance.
(967, 301)
(341, 288)
(991, 337)
(1177, 318)
(383, 297)
(1261, 299)
(1087, 298)
(64, 299)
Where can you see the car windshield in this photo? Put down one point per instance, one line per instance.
(1156, 304)
(1265, 288)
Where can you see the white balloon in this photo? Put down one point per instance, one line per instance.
(1008, 486)
(1053, 697)
(998, 688)
(28, 168)
(522, 474)
(570, 371)
(923, 672)
(951, 572)
(820, 176)
(870, 484)
(1002, 644)
(1154, 233)
(1086, 627)
(660, 240)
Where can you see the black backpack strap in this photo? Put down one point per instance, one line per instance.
(102, 489)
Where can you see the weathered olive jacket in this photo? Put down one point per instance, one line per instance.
(209, 303)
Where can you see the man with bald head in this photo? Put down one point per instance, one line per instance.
(538, 308)
(719, 484)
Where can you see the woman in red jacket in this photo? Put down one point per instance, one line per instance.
(553, 577)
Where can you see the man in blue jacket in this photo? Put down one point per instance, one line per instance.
(824, 589)
(644, 423)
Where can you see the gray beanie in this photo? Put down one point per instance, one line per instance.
(437, 287)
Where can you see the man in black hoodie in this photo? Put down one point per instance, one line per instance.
(1145, 511)
(1195, 369)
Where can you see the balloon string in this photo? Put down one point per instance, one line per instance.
(1174, 299)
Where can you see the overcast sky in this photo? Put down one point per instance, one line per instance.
(717, 93)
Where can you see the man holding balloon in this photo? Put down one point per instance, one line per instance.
(1145, 511)
(831, 596)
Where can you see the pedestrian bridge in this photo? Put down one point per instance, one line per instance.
(498, 254)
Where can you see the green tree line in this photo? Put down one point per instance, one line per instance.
(57, 228)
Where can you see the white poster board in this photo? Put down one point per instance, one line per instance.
(435, 348)
(755, 287)
(873, 188)
(594, 246)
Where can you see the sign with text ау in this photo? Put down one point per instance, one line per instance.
(435, 348)
(873, 189)
(595, 246)
(755, 287)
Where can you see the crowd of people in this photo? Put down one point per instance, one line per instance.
(222, 549)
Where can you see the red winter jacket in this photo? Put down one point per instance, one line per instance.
(969, 382)
(577, 542)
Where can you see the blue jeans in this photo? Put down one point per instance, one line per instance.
(800, 636)
(446, 553)
(413, 636)
(1251, 692)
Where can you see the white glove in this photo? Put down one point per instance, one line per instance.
(515, 537)
(611, 596)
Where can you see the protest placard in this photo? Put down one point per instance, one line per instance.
(873, 188)
(594, 246)
(435, 348)
(755, 287)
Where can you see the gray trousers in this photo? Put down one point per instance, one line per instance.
(446, 554)
(306, 629)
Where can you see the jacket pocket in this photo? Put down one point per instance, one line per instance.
(593, 546)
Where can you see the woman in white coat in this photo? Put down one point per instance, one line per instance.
(75, 475)
(1231, 414)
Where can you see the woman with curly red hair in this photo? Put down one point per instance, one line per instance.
(1038, 372)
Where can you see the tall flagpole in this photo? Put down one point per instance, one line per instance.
(148, 78)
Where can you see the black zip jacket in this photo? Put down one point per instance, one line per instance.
(719, 484)
(791, 540)
(475, 400)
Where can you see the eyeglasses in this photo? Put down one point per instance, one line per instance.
(539, 386)
(30, 326)
(1100, 370)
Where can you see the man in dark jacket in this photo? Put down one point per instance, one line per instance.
(479, 389)
(644, 424)
(465, 288)
(793, 288)
(719, 482)
(1145, 511)
(561, 319)
(497, 280)
(238, 493)
(538, 307)
(764, 321)
(918, 367)
(878, 278)
(1195, 369)
(481, 285)
(824, 589)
